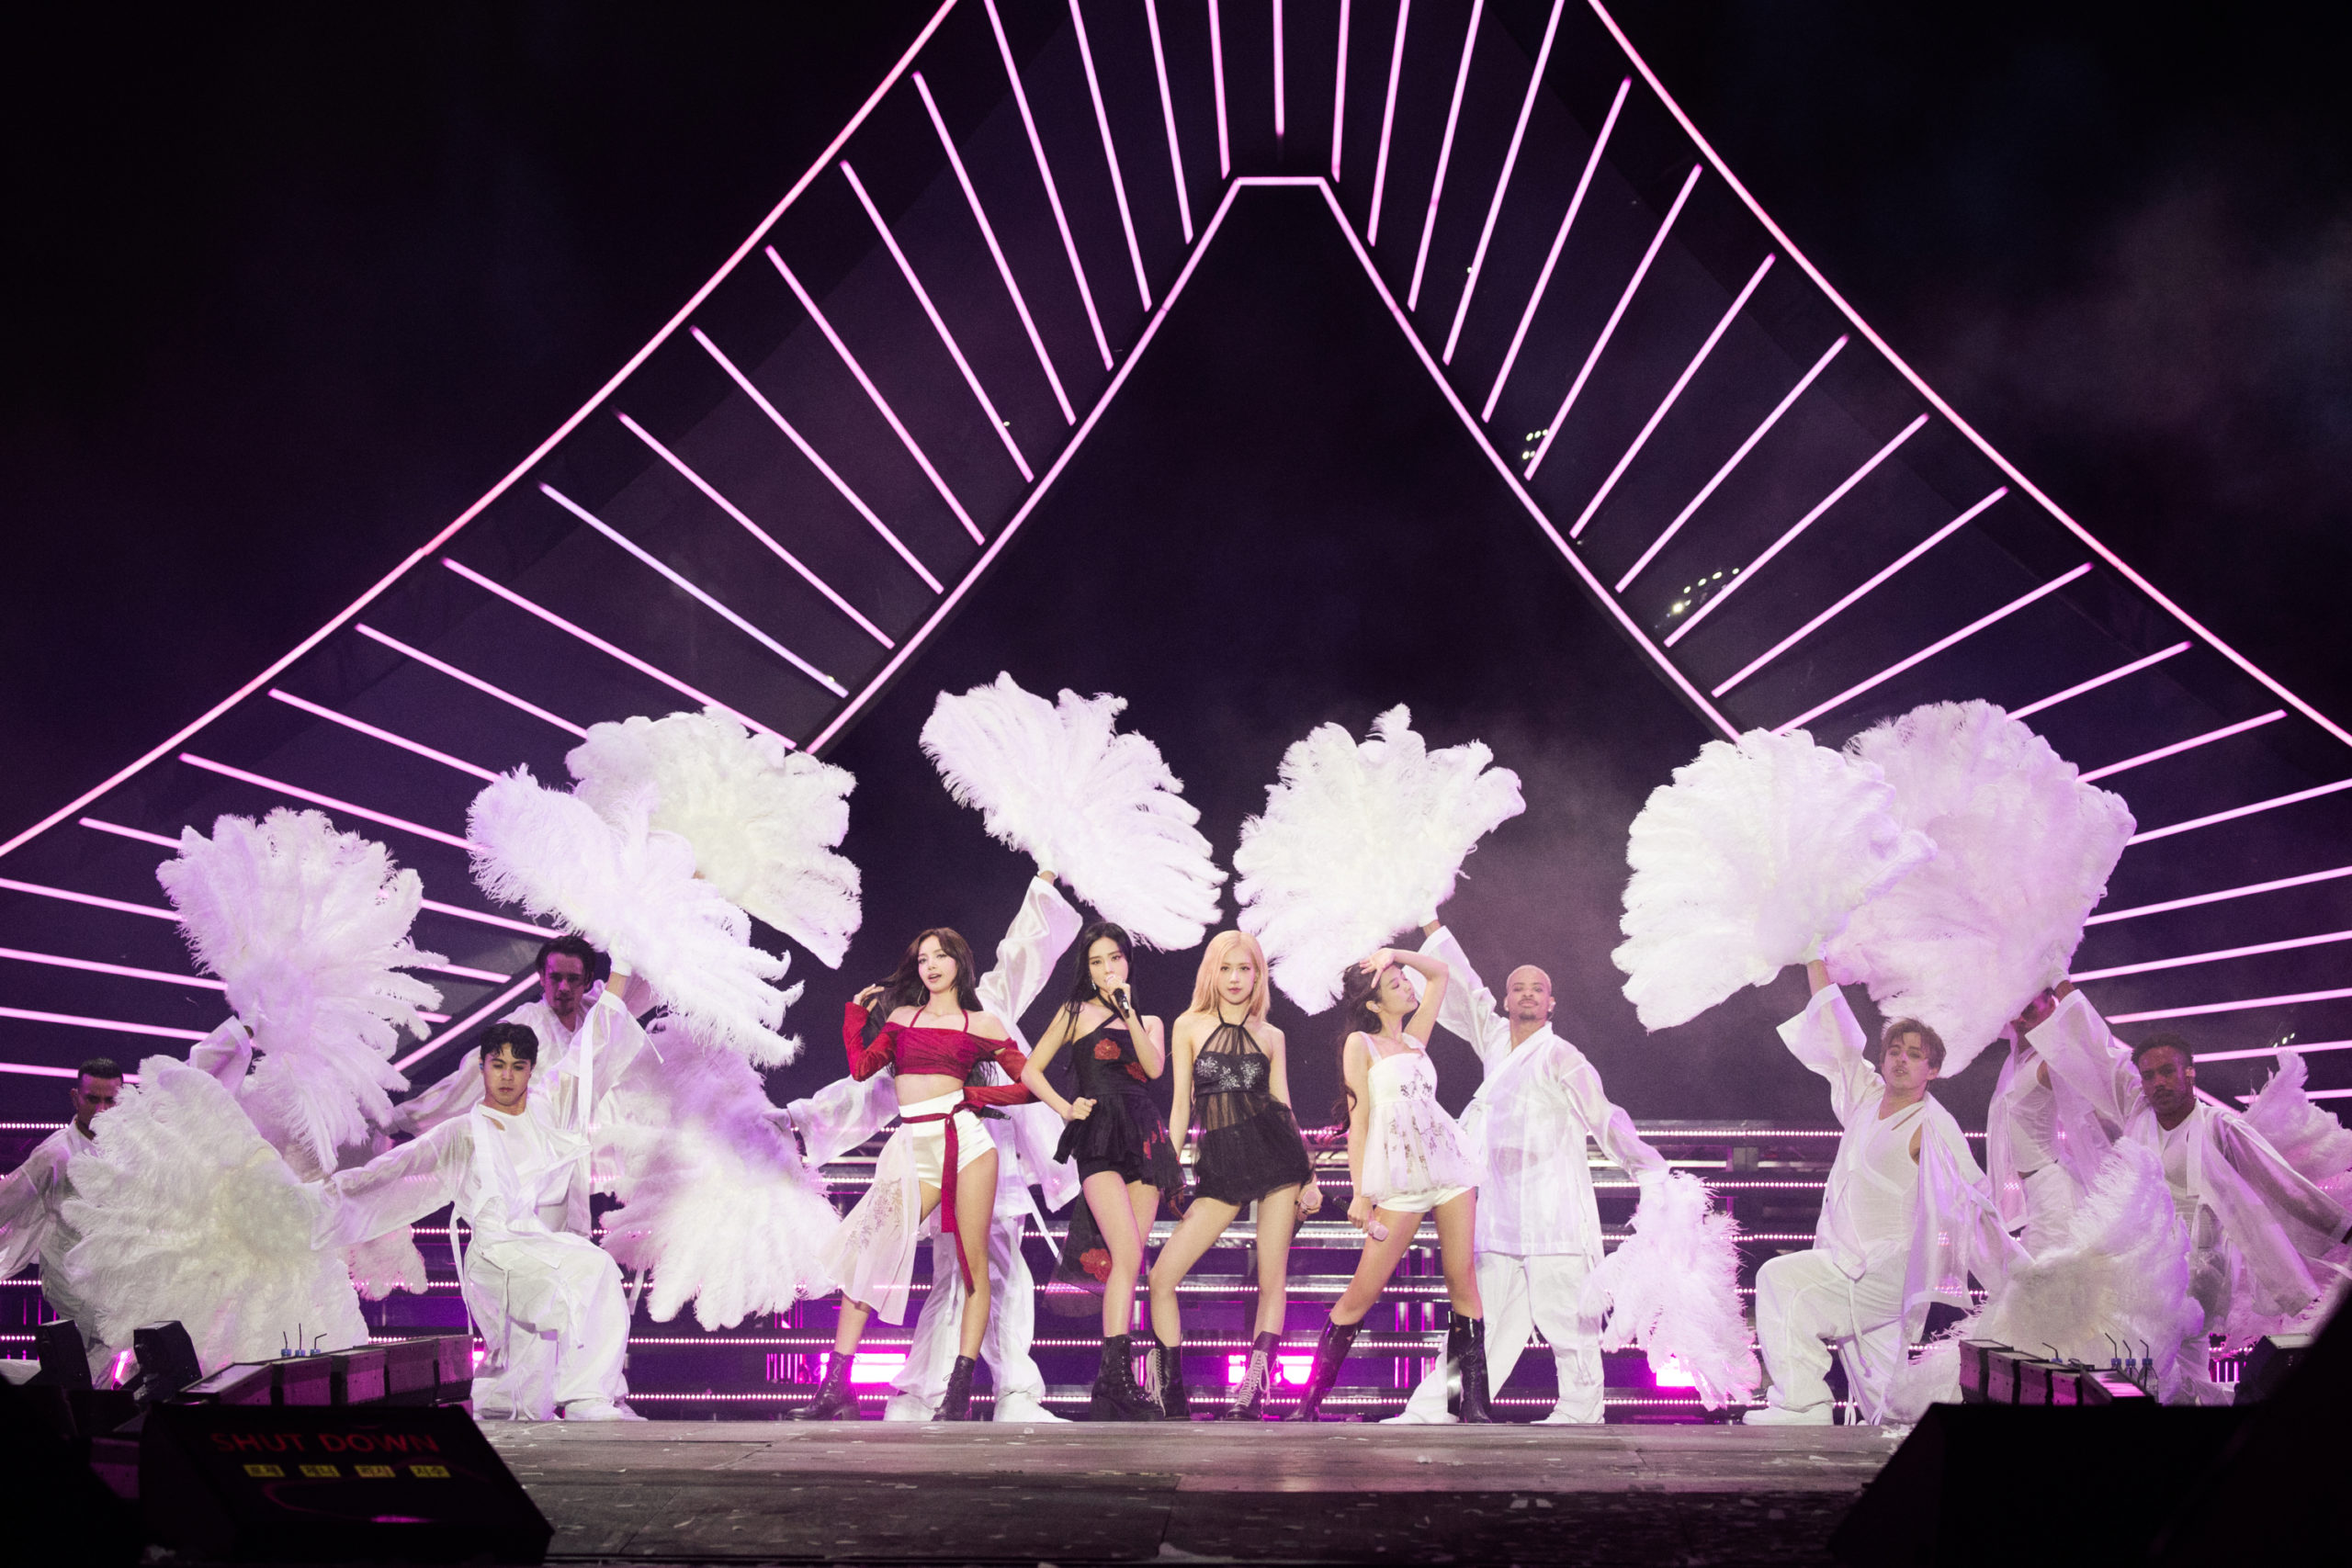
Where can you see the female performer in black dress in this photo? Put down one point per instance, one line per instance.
(1230, 1059)
(1126, 1166)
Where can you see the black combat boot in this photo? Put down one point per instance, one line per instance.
(1116, 1397)
(956, 1405)
(1467, 1349)
(1329, 1351)
(1249, 1398)
(835, 1402)
(1168, 1387)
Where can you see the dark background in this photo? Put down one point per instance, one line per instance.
(287, 291)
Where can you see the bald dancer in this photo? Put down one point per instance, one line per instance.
(1539, 1227)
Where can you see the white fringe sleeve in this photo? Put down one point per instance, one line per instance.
(1359, 841)
(1672, 1287)
(1058, 782)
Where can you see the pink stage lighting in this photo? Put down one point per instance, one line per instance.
(2096, 682)
(1168, 124)
(1840, 608)
(1608, 328)
(59, 961)
(295, 791)
(1280, 74)
(2178, 746)
(1552, 257)
(363, 727)
(996, 252)
(695, 591)
(710, 493)
(1289, 1368)
(2193, 900)
(27, 1069)
(67, 896)
(476, 682)
(1745, 448)
(2216, 956)
(1216, 88)
(2315, 1045)
(1110, 157)
(2245, 1004)
(876, 1366)
(1666, 404)
(1444, 157)
(1387, 122)
(997, 422)
(701, 698)
(1340, 93)
(140, 834)
(1747, 572)
(1053, 196)
(1502, 183)
(1892, 671)
(112, 1025)
(2234, 813)
(1672, 1374)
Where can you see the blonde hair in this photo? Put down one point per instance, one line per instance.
(1204, 988)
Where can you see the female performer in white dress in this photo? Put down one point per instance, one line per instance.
(1406, 1159)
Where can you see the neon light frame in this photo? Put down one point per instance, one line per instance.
(1444, 156)
(1109, 156)
(1045, 175)
(468, 679)
(1387, 121)
(1502, 181)
(1168, 123)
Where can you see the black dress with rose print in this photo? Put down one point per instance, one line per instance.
(1125, 1135)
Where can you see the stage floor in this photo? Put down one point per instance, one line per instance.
(681, 1491)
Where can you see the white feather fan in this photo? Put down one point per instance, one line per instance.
(2023, 849)
(308, 927)
(1359, 841)
(2308, 1138)
(1748, 862)
(1058, 782)
(1930, 1377)
(764, 821)
(1672, 1287)
(186, 1214)
(715, 1200)
(633, 892)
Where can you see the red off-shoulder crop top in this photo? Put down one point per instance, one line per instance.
(948, 1053)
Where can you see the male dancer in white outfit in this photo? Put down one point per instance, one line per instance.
(1539, 1227)
(1906, 1218)
(2041, 1148)
(32, 1209)
(2249, 1214)
(845, 1114)
(566, 993)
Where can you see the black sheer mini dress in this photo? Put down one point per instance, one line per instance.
(1125, 1134)
(1250, 1144)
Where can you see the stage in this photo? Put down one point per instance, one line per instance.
(676, 1490)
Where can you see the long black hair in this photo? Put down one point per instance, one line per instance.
(1359, 988)
(904, 986)
(1081, 986)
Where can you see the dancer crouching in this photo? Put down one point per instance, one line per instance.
(1126, 1164)
(1406, 1159)
(934, 1036)
(1249, 1152)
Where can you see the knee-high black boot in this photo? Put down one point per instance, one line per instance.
(1168, 1381)
(1467, 1349)
(835, 1402)
(956, 1405)
(1249, 1398)
(1329, 1351)
(1116, 1397)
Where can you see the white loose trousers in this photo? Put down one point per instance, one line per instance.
(1805, 1306)
(1519, 1292)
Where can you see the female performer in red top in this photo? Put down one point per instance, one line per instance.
(934, 1035)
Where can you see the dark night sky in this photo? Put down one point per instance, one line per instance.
(289, 290)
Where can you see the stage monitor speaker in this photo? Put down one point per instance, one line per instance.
(277, 1483)
(2269, 1364)
(167, 1361)
(64, 1358)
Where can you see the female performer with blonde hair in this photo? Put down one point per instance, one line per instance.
(933, 1034)
(1229, 1059)
(1406, 1159)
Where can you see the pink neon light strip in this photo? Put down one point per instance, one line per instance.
(476, 682)
(1970, 630)
(498, 1003)
(113, 1025)
(1444, 157)
(1279, 74)
(1003, 270)
(1905, 559)
(1109, 156)
(710, 492)
(692, 589)
(1732, 462)
(1216, 83)
(524, 927)
(1608, 328)
(1748, 573)
(874, 394)
(1552, 257)
(2178, 746)
(1730, 315)
(27, 1069)
(2272, 1051)
(939, 323)
(296, 792)
(2216, 956)
(68, 895)
(141, 835)
(1920, 385)
(59, 961)
(815, 460)
(1502, 183)
(2246, 1005)
(402, 741)
(1340, 94)
(2096, 682)
(600, 646)
(2227, 893)
(1053, 196)
(1387, 122)
(425, 551)
(2237, 811)
(1168, 123)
